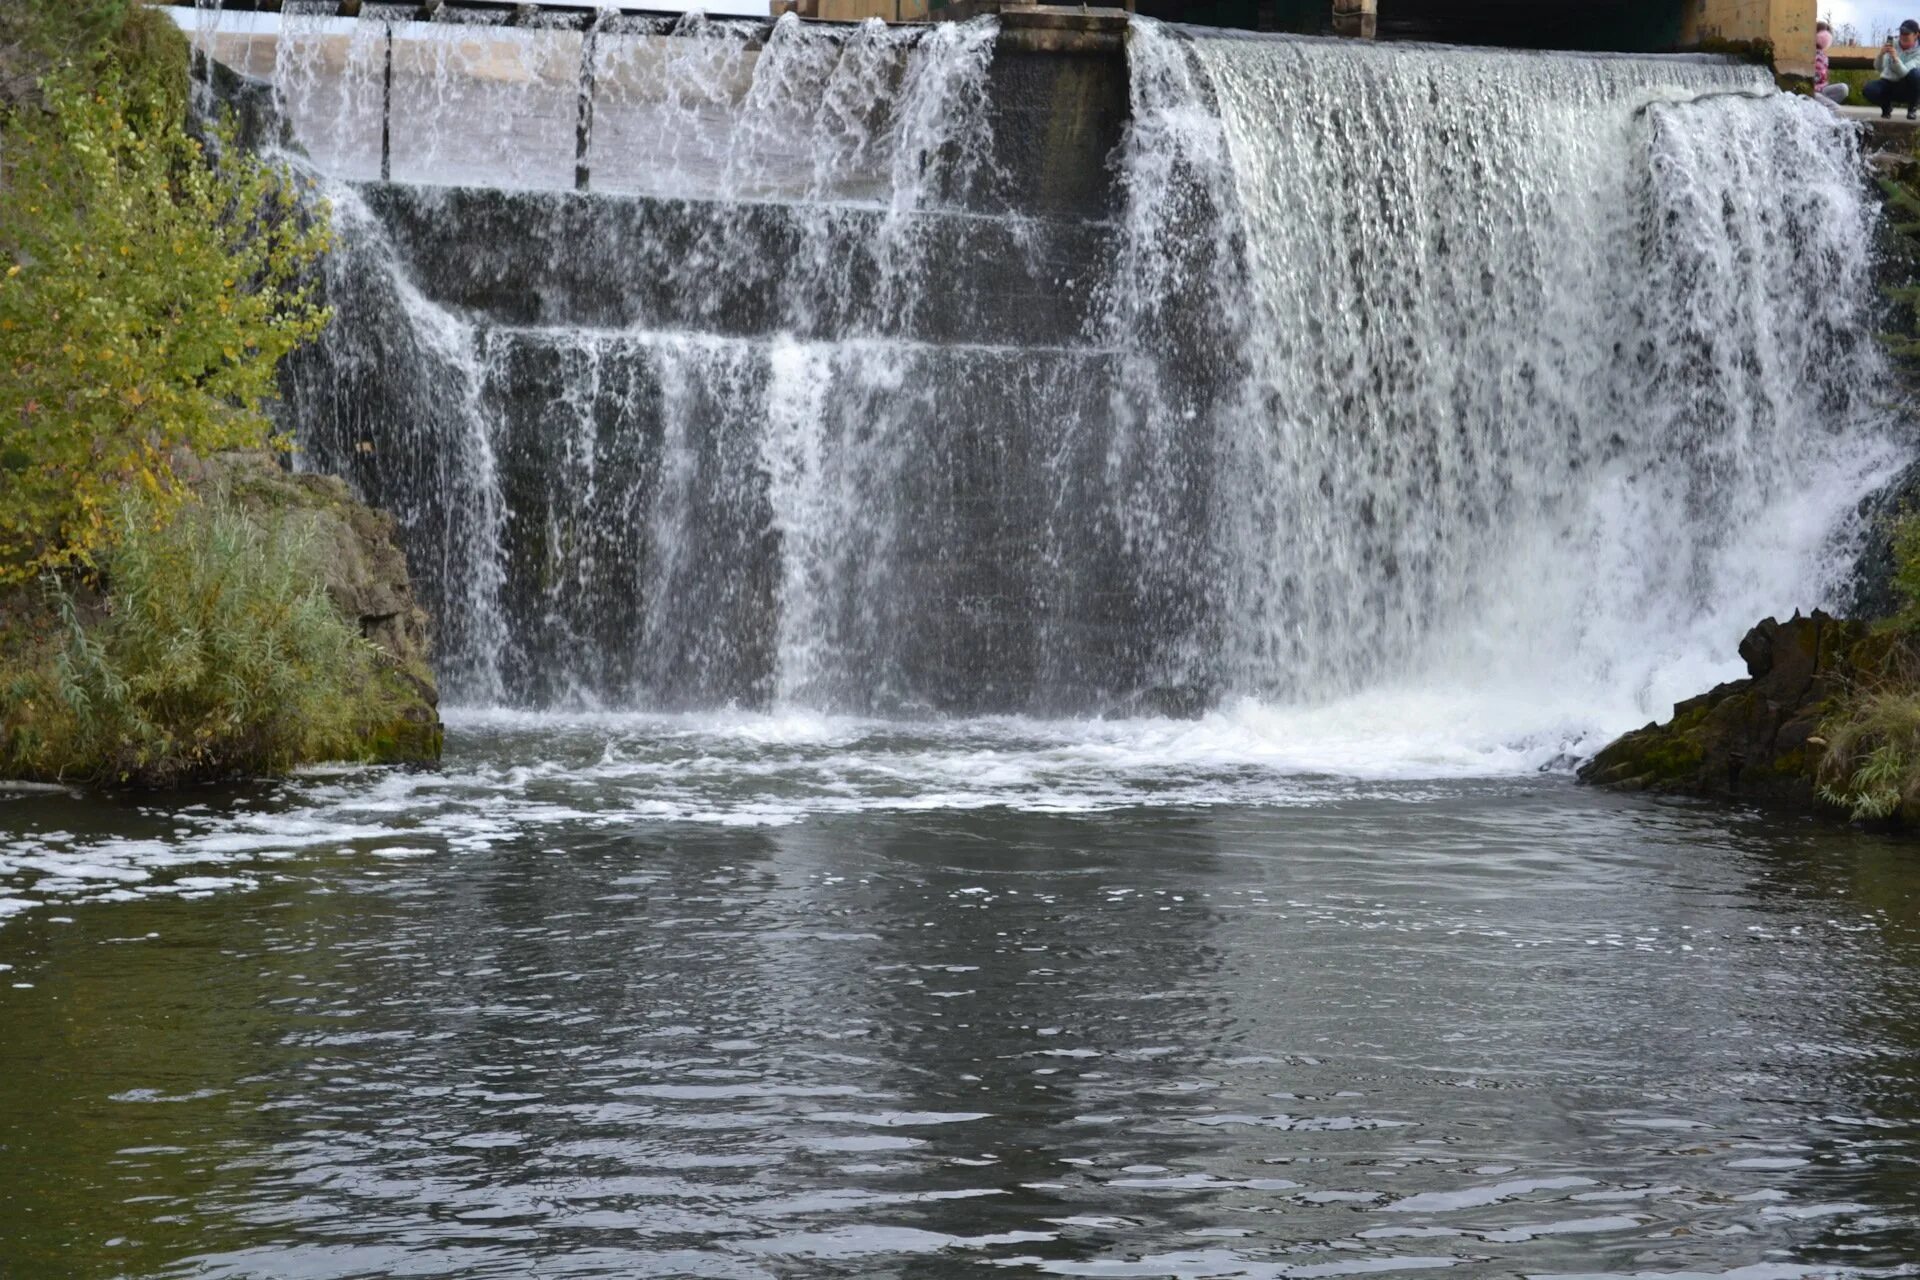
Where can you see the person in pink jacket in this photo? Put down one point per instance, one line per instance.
(1822, 87)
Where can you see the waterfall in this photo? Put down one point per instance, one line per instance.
(1353, 371)
(1534, 377)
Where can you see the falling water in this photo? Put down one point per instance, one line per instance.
(1550, 367)
(1476, 381)
(1531, 384)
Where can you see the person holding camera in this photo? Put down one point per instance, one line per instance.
(1899, 80)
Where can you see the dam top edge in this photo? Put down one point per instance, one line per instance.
(1197, 32)
(753, 23)
(754, 26)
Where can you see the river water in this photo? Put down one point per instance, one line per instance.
(1414, 451)
(749, 996)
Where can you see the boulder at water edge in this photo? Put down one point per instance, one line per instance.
(1756, 739)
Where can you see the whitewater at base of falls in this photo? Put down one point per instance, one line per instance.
(548, 776)
(1397, 411)
(555, 778)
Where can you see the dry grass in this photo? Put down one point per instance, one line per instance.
(1871, 767)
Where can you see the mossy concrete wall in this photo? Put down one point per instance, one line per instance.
(1785, 24)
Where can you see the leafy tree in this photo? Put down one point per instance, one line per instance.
(36, 36)
(150, 281)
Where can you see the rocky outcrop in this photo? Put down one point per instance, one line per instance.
(1871, 592)
(365, 575)
(1756, 739)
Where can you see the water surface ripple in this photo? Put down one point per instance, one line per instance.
(935, 1003)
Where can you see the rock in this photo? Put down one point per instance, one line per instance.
(1756, 648)
(1752, 739)
(365, 575)
(1871, 593)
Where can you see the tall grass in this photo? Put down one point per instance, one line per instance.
(216, 653)
(1872, 759)
(1871, 764)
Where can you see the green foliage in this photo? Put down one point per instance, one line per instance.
(39, 38)
(1856, 82)
(36, 36)
(216, 654)
(1871, 765)
(1906, 574)
(1872, 762)
(147, 291)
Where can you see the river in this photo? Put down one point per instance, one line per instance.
(912, 421)
(744, 996)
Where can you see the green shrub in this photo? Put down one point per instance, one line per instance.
(147, 293)
(215, 654)
(36, 36)
(1906, 574)
(1871, 763)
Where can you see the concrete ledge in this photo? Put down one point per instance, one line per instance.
(1896, 133)
(1044, 28)
(1057, 28)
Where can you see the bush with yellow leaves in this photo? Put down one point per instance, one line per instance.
(150, 282)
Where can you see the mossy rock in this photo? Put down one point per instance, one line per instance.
(380, 701)
(1754, 739)
(366, 578)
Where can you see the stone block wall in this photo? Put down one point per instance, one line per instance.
(1786, 24)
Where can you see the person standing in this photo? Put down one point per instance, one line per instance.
(1899, 79)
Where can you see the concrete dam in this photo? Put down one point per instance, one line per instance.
(943, 371)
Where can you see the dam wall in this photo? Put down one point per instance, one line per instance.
(903, 371)
(654, 104)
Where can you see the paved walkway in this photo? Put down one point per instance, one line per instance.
(1871, 115)
(1890, 140)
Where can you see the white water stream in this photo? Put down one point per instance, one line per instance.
(1429, 407)
(1537, 414)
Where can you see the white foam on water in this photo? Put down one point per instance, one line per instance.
(516, 775)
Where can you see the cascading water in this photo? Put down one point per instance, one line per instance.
(685, 385)
(1528, 379)
(1457, 383)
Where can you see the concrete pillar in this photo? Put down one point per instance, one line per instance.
(1790, 27)
(1359, 18)
(1786, 24)
(583, 106)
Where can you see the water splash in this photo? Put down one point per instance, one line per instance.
(398, 408)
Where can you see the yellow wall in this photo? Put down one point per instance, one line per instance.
(1788, 23)
(860, 10)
